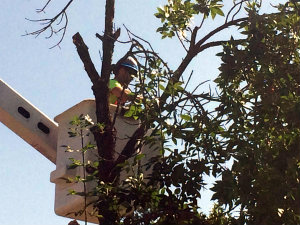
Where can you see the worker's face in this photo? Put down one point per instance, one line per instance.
(123, 76)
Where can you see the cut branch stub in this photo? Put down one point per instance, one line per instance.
(84, 55)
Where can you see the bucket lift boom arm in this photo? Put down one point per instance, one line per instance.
(28, 122)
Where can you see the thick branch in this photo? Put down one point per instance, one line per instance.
(193, 51)
(84, 55)
(193, 36)
(129, 149)
(108, 43)
(218, 29)
(105, 140)
(217, 43)
(100, 89)
(177, 74)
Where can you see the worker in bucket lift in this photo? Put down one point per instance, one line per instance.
(119, 85)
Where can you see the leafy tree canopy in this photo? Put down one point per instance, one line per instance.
(245, 134)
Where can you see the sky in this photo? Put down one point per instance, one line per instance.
(53, 80)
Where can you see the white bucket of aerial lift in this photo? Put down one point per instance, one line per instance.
(48, 137)
(66, 205)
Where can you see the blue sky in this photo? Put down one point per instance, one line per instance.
(54, 80)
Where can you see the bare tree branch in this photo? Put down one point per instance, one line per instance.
(216, 43)
(181, 42)
(108, 43)
(233, 7)
(129, 32)
(194, 50)
(194, 35)
(157, 56)
(45, 6)
(49, 23)
(129, 148)
(218, 29)
(84, 55)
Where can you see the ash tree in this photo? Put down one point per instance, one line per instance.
(244, 134)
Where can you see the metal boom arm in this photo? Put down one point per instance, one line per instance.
(28, 122)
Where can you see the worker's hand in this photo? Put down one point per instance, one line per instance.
(122, 95)
(139, 97)
(131, 96)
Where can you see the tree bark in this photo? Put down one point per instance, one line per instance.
(105, 140)
(85, 57)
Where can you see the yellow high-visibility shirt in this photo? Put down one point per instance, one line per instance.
(112, 84)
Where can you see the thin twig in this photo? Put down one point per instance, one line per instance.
(139, 38)
(42, 9)
(239, 9)
(185, 48)
(232, 8)
(48, 23)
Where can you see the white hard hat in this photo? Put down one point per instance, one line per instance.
(131, 63)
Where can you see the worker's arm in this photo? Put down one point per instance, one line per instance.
(121, 94)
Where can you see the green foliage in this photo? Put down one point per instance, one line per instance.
(246, 136)
(259, 83)
(177, 15)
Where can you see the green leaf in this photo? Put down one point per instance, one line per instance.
(219, 11)
(75, 163)
(185, 117)
(72, 192)
(72, 134)
(128, 113)
(161, 87)
(216, 11)
(140, 156)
